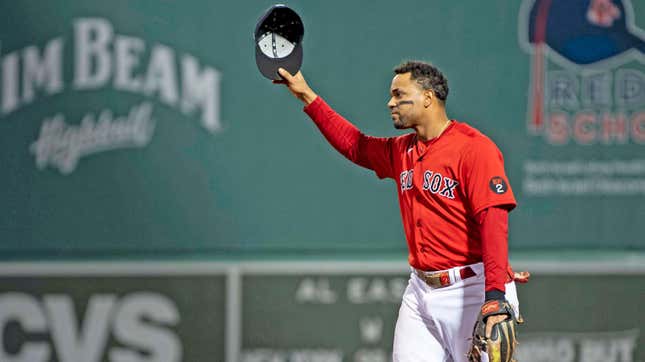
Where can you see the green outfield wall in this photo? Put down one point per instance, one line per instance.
(144, 128)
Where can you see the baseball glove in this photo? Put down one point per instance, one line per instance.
(499, 344)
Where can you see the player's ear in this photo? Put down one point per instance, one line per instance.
(428, 97)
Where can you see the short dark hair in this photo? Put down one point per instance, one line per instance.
(427, 76)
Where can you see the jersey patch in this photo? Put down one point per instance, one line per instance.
(498, 185)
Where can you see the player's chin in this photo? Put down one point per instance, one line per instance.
(399, 125)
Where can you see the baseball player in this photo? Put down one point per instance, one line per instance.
(460, 303)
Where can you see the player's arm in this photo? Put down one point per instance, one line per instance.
(493, 228)
(370, 152)
(490, 197)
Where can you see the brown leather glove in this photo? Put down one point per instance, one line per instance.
(500, 340)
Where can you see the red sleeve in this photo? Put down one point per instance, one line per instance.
(493, 223)
(486, 184)
(374, 153)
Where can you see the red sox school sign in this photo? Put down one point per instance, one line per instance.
(587, 80)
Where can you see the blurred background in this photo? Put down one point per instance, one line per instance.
(165, 202)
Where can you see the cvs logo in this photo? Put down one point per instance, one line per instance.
(137, 325)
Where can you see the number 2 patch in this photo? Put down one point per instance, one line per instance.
(498, 185)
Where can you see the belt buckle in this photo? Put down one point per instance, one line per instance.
(435, 280)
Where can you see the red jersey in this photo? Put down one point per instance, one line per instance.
(442, 183)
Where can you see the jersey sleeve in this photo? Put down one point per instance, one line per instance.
(493, 225)
(486, 184)
(374, 153)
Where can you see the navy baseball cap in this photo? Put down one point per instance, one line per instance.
(278, 41)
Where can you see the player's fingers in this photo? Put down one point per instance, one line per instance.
(522, 277)
(285, 74)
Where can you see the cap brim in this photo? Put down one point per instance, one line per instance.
(269, 66)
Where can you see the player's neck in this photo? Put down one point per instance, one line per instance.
(434, 127)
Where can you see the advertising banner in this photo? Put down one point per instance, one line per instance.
(284, 312)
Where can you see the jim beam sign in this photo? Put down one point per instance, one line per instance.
(102, 59)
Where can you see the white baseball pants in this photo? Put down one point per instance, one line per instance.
(436, 324)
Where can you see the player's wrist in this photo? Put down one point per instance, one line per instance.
(308, 97)
(494, 294)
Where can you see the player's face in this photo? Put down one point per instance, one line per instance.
(406, 101)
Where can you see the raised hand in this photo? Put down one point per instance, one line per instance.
(297, 86)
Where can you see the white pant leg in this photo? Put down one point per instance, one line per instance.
(455, 308)
(511, 297)
(414, 335)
